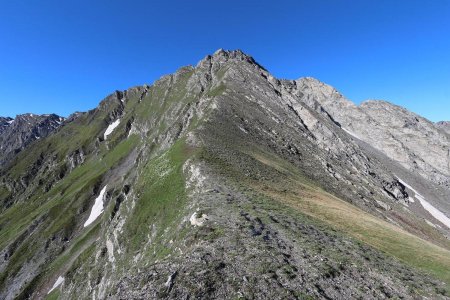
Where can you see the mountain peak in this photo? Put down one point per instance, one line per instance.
(444, 125)
(222, 55)
(230, 53)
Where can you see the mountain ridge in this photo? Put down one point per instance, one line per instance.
(219, 181)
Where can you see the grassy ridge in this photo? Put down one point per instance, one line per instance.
(162, 197)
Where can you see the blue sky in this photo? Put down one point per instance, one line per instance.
(64, 56)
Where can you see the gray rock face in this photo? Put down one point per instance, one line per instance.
(444, 125)
(4, 123)
(403, 136)
(18, 133)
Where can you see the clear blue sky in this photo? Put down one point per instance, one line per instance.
(63, 56)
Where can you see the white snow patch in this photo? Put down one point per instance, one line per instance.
(97, 209)
(198, 221)
(10, 122)
(111, 128)
(351, 133)
(436, 213)
(409, 187)
(58, 282)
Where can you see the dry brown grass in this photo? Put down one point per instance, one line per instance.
(357, 223)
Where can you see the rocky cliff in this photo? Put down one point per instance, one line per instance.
(401, 135)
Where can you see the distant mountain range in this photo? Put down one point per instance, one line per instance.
(18, 133)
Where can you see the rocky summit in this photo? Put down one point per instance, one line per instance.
(221, 181)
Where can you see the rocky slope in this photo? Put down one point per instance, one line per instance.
(4, 123)
(444, 125)
(403, 136)
(18, 133)
(221, 181)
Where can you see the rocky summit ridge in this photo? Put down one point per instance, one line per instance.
(221, 181)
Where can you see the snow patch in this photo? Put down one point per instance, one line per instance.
(58, 282)
(97, 209)
(351, 133)
(198, 219)
(10, 122)
(409, 187)
(111, 128)
(436, 213)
